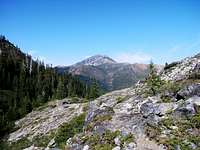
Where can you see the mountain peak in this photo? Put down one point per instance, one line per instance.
(96, 60)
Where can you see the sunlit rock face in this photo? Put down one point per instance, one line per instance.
(184, 69)
(46, 119)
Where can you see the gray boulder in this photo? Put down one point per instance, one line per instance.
(117, 141)
(86, 147)
(158, 109)
(162, 108)
(116, 148)
(189, 107)
(52, 143)
(147, 108)
(189, 91)
(130, 146)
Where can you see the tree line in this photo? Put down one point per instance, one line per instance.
(26, 84)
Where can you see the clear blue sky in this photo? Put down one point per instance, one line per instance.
(65, 31)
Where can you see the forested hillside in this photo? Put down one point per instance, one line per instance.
(26, 84)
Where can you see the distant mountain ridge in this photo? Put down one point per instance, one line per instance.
(110, 74)
(96, 60)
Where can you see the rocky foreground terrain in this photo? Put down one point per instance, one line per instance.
(130, 119)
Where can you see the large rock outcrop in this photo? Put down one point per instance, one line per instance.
(46, 119)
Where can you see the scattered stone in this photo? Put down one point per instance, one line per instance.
(163, 108)
(32, 147)
(147, 108)
(52, 143)
(130, 146)
(69, 141)
(116, 148)
(117, 141)
(189, 91)
(86, 147)
(189, 107)
(177, 147)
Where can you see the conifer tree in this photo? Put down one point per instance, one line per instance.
(60, 89)
(153, 81)
(94, 90)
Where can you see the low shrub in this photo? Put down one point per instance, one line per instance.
(102, 142)
(42, 140)
(173, 143)
(120, 99)
(69, 129)
(103, 147)
(196, 120)
(127, 139)
(102, 118)
(153, 132)
(167, 122)
(20, 144)
(98, 120)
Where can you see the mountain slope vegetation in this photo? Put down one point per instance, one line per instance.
(26, 84)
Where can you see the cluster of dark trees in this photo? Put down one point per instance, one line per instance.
(26, 84)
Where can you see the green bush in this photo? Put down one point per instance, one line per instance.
(42, 140)
(196, 120)
(102, 118)
(98, 120)
(120, 99)
(165, 99)
(172, 143)
(127, 139)
(20, 144)
(69, 129)
(109, 136)
(85, 107)
(103, 147)
(106, 141)
(93, 139)
(153, 81)
(153, 132)
(195, 140)
(75, 100)
(167, 122)
(102, 142)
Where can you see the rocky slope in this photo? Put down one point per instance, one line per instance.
(43, 121)
(128, 119)
(185, 69)
(110, 74)
(39, 126)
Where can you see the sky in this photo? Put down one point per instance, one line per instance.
(63, 32)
